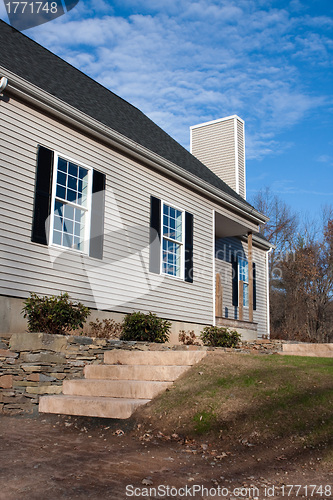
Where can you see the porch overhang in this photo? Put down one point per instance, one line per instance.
(226, 226)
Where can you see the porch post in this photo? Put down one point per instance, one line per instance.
(250, 268)
(218, 297)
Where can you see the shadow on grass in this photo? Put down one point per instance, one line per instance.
(272, 398)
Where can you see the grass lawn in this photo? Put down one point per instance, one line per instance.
(254, 400)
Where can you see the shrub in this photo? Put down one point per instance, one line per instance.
(217, 336)
(55, 314)
(106, 329)
(187, 338)
(145, 327)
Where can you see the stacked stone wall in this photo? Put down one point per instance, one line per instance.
(35, 364)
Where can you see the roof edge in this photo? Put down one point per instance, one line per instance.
(42, 99)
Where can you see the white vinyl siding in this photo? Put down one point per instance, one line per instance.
(120, 282)
(220, 146)
(241, 158)
(214, 146)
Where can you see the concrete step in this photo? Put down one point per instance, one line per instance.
(134, 372)
(162, 358)
(133, 389)
(127, 380)
(312, 350)
(90, 406)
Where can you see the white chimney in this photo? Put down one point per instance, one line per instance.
(220, 145)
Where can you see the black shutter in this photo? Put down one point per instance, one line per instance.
(254, 286)
(155, 236)
(43, 192)
(234, 264)
(97, 215)
(188, 247)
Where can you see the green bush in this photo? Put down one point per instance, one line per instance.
(145, 327)
(218, 336)
(55, 314)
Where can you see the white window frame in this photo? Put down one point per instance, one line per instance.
(241, 259)
(87, 209)
(180, 243)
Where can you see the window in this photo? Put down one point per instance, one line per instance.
(171, 241)
(240, 271)
(172, 246)
(70, 219)
(243, 268)
(69, 204)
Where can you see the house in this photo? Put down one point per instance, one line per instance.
(98, 201)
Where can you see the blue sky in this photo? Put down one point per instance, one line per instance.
(185, 62)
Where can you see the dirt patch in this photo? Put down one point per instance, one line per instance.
(55, 458)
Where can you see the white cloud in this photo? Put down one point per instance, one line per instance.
(290, 187)
(185, 62)
(325, 158)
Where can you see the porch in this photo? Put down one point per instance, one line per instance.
(235, 276)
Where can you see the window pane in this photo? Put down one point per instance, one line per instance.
(246, 295)
(64, 229)
(71, 195)
(83, 173)
(61, 192)
(61, 178)
(77, 229)
(77, 243)
(67, 240)
(171, 258)
(243, 270)
(84, 195)
(179, 227)
(72, 183)
(69, 212)
(73, 169)
(78, 215)
(68, 226)
(58, 207)
(57, 237)
(62, 165)
(172, 223)
(57, 223)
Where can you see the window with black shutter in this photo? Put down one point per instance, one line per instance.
(69, 204)
(171, 240)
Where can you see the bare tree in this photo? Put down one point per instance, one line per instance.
(282, 226)
(307, 285)
(301, 271)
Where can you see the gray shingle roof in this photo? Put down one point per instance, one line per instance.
(29, 60)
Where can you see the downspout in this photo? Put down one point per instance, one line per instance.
(3, 83)
(214, 273)
(267, 300)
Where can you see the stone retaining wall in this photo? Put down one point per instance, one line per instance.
(34, 364)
